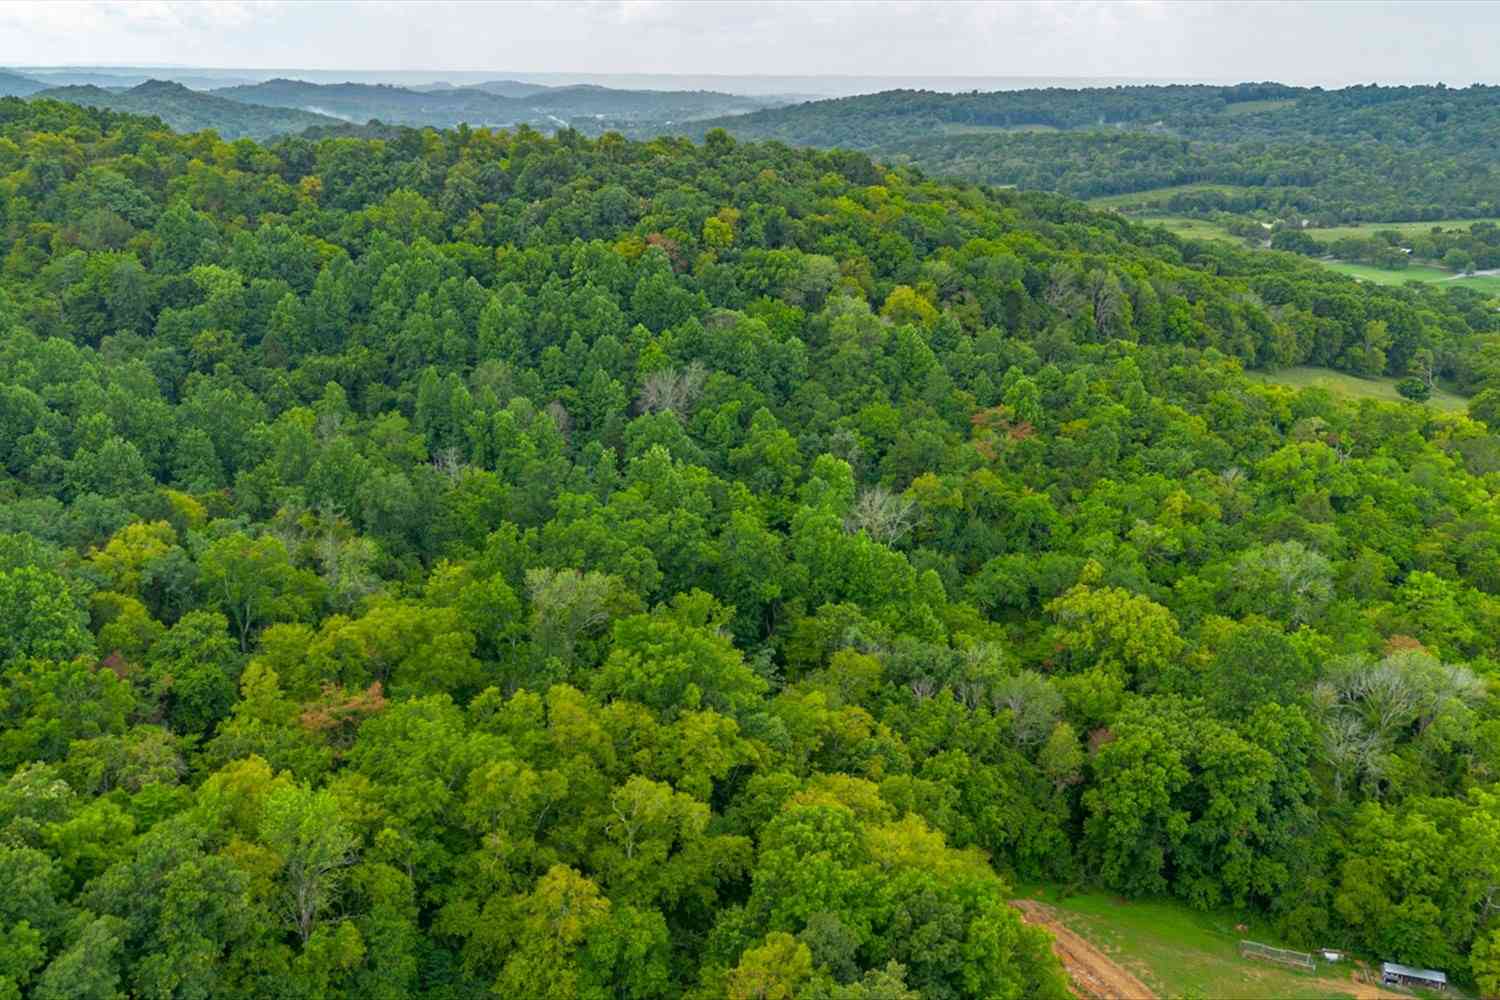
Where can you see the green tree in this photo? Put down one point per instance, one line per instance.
(777, 970)
(194, 669)
(42, 617)
(1414, 389)
(314, 847)
(253, 581)
(1285, 581)
(678, 659)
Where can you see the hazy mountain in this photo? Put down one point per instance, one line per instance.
(188, 110)
(360, 102)
(585, 105)
(509, 88)
(16, 85)
(588, 99)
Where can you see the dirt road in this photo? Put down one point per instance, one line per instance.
(1092, 973)
(1362, 990)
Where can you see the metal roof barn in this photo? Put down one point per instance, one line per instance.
(1405, 975)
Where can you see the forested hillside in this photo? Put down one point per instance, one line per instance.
(470, 563)
(1376, 153)
(191, 110)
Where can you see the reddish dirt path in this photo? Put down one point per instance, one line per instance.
(1362, 990)
(1092, 973)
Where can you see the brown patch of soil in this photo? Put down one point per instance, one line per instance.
(1361, 989)
(1092, 973)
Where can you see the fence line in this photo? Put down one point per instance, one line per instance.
(1281, 956)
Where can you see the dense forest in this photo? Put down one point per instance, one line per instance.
(471, 562)
(1266, 150)
(1360, 153)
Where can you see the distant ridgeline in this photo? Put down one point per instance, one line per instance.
(1330, 156)
(475, 563)
(1382, 153)
(280, 107)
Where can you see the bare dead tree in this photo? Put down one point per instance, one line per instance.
(1384, 695)
(970, 693)
(450, 464)
(561, 418)
(670, 389)
(1353, 752)
(881, 514)
(328, 425)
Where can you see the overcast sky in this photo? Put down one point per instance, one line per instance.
(1297, 42)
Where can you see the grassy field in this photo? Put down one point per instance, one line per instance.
(1179, 952)
(1405, 228)
(1251, 107)
(1157, 195)
(1488, 283)
(1202, 229)
(1355, 387)
(1382, 276)
(1189, 228)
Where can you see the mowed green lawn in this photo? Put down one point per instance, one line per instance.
(1355, 386)
(1182, 953)
(1489, 283)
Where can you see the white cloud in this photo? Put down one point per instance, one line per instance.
(1307, 40)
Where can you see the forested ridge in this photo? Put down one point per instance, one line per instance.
(468, 563)
(283, 107)
(1358, 153)
(190, 111)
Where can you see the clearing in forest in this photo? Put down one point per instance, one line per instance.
(1328, 234)
(1158, 196)
(1487, 282)
(1091, 973)
(1149, 948)
(1355, 386)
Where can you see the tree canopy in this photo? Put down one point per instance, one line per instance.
(471, 562)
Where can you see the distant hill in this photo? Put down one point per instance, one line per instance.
(1331, 156)
(283, 106)
(871, 121)
(16, 85)
(191, 110)
(360, 102)
(509, 88)
(124, 79)
(498, 103)
(682, 105)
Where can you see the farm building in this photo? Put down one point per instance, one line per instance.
(1392, 974)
